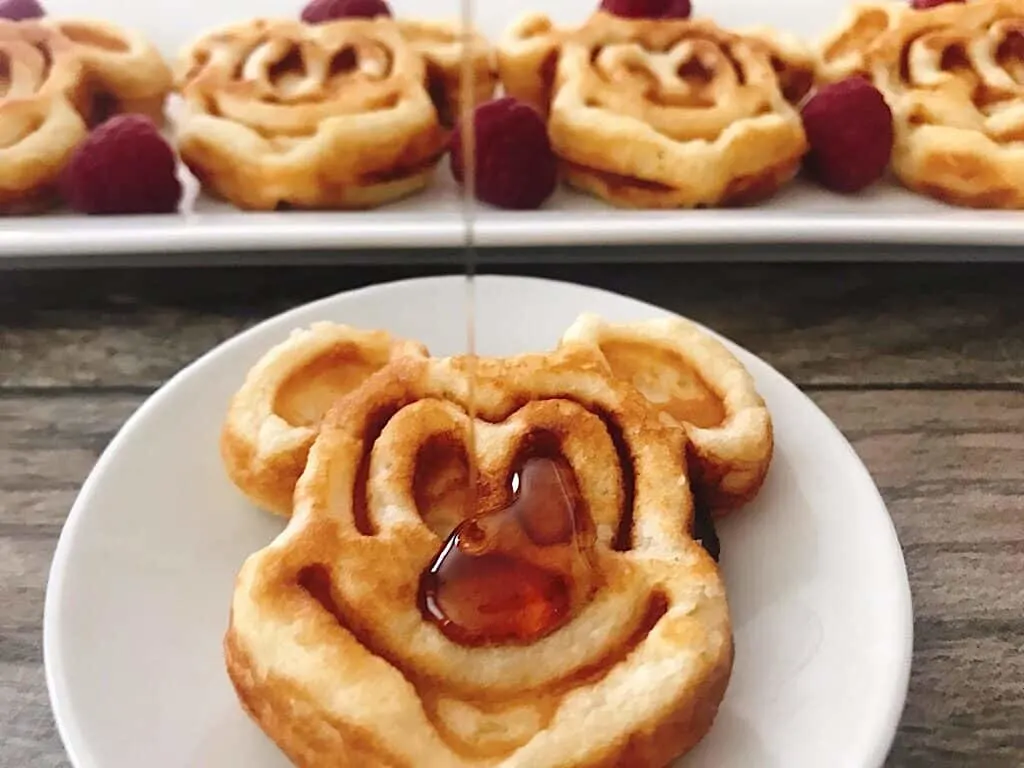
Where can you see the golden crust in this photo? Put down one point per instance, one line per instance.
(954, 77)
(327, 646)
(274, 417)
(663, 114)
(305, 735)
(698, 385)
(278, 113)
(65, 75)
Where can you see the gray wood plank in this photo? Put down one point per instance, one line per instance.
(950, 465)
(951, 468)
(824, 325)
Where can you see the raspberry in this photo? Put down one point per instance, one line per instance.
(16, 10)
(320, 11)
(648, 9)
(849, 128)
(923, 5)
(515, 165)
(123, 166)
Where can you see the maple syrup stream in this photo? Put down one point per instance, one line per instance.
(468, 133)
(516, 573)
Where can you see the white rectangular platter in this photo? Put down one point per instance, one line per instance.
(801, 213)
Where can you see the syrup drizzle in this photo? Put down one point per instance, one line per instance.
(517, 573)
(467, 89)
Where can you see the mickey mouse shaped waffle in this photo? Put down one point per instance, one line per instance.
(563, 615)
(953, 76)
(348, 113)
(663, 112)
(58, 78)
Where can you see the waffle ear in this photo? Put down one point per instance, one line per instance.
(843, 51)
(696, 383)
(127, 72)
(442, 48)
(795, 63)
(528, 59)
(276, 414)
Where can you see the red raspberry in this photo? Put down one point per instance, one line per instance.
(16, 10)
(515, 165)
(923, 5)
(320, 11)
(849, 128)
(648, 9)
(123, 166)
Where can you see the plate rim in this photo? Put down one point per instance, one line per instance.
(68, 730)
(38, 241)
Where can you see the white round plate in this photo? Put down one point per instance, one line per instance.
(142, 577)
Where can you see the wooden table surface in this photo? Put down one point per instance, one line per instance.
(921, 366)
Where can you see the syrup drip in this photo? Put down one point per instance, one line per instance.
(468, 134)
(515, 574)
(518, 573)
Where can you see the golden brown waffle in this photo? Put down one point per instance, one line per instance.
(339, 115)
(329, 646)
(61, 76)
(663, 114)
(696, 384)
(954, 77)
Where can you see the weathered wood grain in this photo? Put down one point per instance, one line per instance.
(950, 465)
(823, 325)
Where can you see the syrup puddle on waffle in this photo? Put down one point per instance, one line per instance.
(485, 584)
(517, 573)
